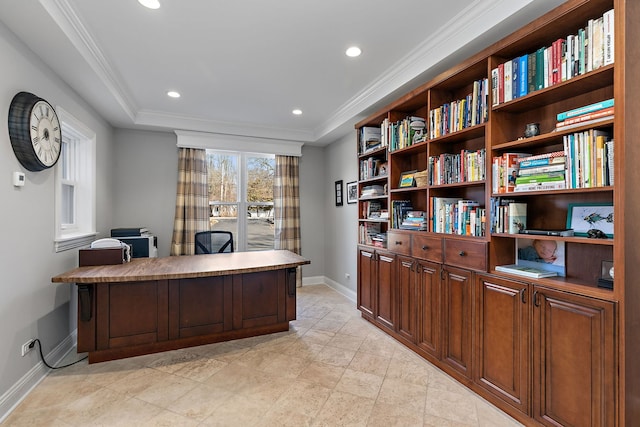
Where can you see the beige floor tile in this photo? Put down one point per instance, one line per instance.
(200, 402)
(360, 383)
(347, 342)
(335, 356)
(314, 336)
(277, 417)
(344, 409)
(239, 411)
(458, 407)
(403, 393)
(328, 325)
(370, 363)
(415, 373)
(170, 419)
(304, 398)
(322, 374)
(388, 415)
(303, 350)
(378, 344)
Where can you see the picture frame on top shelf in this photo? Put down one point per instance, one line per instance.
(583, 217)
(352, 192)
(407, 179)
(338, 189)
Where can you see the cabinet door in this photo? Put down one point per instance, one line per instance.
(428, 290)
(407, 298)
(574, 363)
(386, 285)
(502, 325)
(456, 320)
(366, 282)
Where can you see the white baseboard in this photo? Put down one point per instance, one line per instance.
(12, 397)
(338, 287)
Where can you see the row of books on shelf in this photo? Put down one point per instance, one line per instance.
(457, 216)
(403, 133)
(370, 139)
(459, 114)
(372, 209)
(467, 166)
(369, 233)
(576, 54)
(507, 216)
(373, 190)
(372, 167)
(415, 220)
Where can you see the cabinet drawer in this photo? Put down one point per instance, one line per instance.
(428, 248)
(399, 243)
(466, 254)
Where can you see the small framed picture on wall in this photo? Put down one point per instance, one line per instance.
(338, 193)
(352, 192)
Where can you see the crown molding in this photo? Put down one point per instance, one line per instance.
(71, 25)
(469, 24)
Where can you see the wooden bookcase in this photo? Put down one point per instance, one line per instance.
(548, 351)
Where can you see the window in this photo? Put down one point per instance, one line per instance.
(75, 185)
(241, 197)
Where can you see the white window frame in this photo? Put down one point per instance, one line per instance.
(83, 142)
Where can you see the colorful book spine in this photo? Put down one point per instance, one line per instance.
(607, 113)
(585, 109)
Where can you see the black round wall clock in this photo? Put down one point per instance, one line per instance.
(34, 131)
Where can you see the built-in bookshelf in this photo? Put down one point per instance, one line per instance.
(533, 127)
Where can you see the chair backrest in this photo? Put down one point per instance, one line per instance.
(211, 242)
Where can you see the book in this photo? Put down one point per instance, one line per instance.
(526, 271)
(509, 164)
(129, 231)
(540, 177)
(517, 214)
(588, 117)
(557, 167)
(523, 75)
(541, 186)
(608, 34)
(564, 232)
(585, 109)
(524, 164)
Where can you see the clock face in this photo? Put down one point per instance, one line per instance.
(44, 129)
(34, 131)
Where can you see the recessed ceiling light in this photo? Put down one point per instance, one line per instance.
(151, 4)
(353, 51)
(297, 112)
(173, 94)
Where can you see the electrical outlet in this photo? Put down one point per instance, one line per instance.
(347, 276)
(28, 346)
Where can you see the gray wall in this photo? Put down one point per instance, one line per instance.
(30, 305)
(341, 221)
(145, 179)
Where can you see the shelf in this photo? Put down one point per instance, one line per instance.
(600, 78)
(550, 137)
(407, 189)
(471, 132)
(374, 179)
(564, 284)
(373, 153)
(459, 184)
(571, 239)
(412, 149)
(373, 220)
(364, 199)
(563, 191)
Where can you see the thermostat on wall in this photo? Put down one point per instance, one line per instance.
(18, 179)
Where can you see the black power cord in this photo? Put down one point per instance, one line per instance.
(45, 362)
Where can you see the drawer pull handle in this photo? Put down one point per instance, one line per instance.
(463, 253)
(425, 247)
(398, 243)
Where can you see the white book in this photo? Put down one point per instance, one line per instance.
(508, 81)
(609, 39)
(522, 270)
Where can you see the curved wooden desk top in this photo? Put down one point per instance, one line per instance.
(182, 267)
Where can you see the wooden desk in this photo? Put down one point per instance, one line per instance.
(157, 304)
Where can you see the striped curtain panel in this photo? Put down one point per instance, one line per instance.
(192, 200)
(286, 207)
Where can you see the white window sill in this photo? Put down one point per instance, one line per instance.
(73, 241)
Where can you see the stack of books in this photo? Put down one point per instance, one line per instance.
(541, 172)
(586, 115)
(399, 209)
(372, 191)
(505, 172)
(415, 220)
(590, 48)
(369, 139)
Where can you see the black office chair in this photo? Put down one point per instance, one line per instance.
(215, 241)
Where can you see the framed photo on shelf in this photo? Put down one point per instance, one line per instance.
(338, 188)
(352, 192)
(407, 179)
(543, 254)
(583, 217)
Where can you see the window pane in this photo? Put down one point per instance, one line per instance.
(223, 177)
(68, 202)
(260, 228)
(225, 218)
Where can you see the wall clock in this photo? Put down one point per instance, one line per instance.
(34, 131)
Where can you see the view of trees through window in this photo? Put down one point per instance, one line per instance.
(240, 182)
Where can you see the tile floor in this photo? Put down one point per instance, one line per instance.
(331, 369)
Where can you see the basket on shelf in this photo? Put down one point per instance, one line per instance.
(421, 178)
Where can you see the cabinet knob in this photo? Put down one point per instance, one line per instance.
(462, 253)
(425, 247)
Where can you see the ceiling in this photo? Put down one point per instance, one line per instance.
(242, 66)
